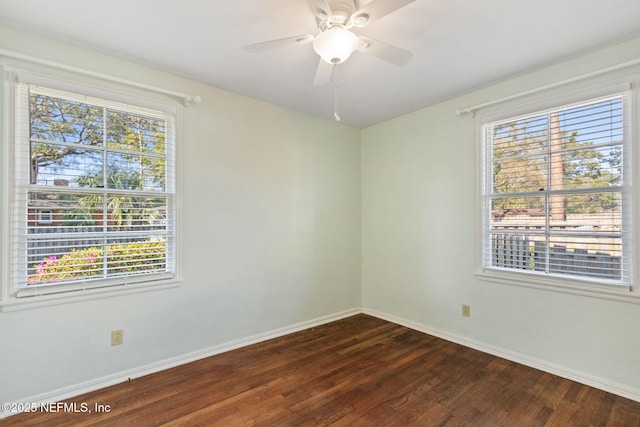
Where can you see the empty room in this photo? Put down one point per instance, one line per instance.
(320, 212)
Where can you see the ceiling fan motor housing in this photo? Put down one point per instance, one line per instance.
(341, 11)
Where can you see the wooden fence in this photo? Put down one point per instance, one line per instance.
(48, 241)
(524, 253)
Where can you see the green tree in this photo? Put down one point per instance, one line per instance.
(68, 143)
(122, 209)
(142, 140)
(584, 166)
(520, 165)
(63, 121)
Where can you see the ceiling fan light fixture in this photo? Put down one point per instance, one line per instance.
(335, 45)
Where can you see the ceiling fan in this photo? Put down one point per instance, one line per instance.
(336, 41)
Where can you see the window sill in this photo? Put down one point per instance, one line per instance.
(557, 284)
(37, 301)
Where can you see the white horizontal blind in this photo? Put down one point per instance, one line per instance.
(102, 174)
(555, 199)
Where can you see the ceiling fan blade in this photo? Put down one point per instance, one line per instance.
(275, 44)
(323, 73)
(376, 10)
(384, 51)
(320, 8)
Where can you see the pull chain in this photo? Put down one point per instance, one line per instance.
(336, 94)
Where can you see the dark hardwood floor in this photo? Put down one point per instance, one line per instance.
(359, 371)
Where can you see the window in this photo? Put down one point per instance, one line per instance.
(93, 192)
(555, 198)
(45, 216)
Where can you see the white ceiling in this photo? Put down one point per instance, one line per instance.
(458, 45)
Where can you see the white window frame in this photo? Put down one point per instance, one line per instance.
(568, 284)
(45, 216)
(11, 296)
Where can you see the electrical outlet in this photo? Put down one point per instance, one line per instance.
(117, 337)
(466, 310)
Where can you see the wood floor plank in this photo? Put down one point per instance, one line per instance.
(359, 371)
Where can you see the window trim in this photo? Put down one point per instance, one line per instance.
(42, 213)
(11, 296)
(531, 106)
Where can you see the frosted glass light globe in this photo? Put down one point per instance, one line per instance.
(335, 45)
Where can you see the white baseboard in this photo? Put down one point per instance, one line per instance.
(561, 371)
(120, 377)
